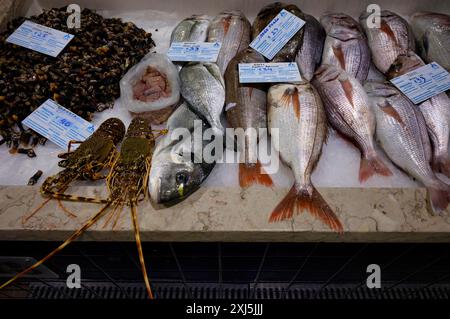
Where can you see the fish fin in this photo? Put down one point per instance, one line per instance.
(339, 54)
(388, 31)
(300, 200)
(348, 90)
(291, 96)
(371, 166)
(442, 165)
(438, 197)
(390, 110)
(253, 174)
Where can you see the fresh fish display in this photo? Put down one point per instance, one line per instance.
(296, 111)
(310, 54)
(192, 29)
(174, 175)
(266, 15)
(203, 87)
(393, 38)
(345, 45)
(246, 108)
(432, 32)
(233, 30)
(347, 107)
(403, 135)
(435, 110)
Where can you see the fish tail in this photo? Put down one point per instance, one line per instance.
(300, 200)
(438, 196)
(250, 174)
(372, 165)
(441, 165)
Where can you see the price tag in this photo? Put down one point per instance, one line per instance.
(423, 83)
(58, 124)
(277, 33)
(269, 72)
(40, 38)
(194, 51)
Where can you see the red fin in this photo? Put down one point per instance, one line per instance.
(438, 198)
(291, 96)
(339, 56)
(348, 90)
(390, 110)
(387, 29)
(250, 174)
(442, 165)
(226, 24)
(298, 201)
(371, 166)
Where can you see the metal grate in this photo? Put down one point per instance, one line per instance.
(236, 270)
(205, 291)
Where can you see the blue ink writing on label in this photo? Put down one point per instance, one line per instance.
(423, 83)
(40, 38)
(269, 72)
(194, 51)
(58, 124)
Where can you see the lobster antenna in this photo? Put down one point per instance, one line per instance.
(74, 236)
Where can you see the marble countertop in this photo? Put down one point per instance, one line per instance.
(229, 214)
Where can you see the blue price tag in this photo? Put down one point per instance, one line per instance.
(194, 51)
(269, 72)
(58, 124)
(423, 83)
(277, 33)
(40, 38)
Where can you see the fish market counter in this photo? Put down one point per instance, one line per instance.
(218, 214)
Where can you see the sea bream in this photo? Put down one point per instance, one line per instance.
(266, 15)
(246, 108)
(436, 111)
(432, 33)
(203, 87)
(233, 30)
(296, 111)
(392, 38)
(310, 53)
(178, 169)
(348, 111)
(345, 45)
(403, 135)
(191, 29)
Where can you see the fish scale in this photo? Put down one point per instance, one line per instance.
(233, 30)
(296, 111)
(347, 107)
(402, 133)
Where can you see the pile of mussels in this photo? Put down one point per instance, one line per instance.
(84, 77)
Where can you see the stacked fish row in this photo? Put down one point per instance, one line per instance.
(334, 58)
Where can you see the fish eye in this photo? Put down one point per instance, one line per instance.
(181, 178)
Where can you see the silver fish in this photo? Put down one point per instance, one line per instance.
(203, 87)
(296, 111)
(345, 45)
(233, 30)
(310, 53)
(246, 108)
(177, 169)
(435, 110)
(394, 37)
(347, 107)
(403, 135)
(192, 29)
(432, 32)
